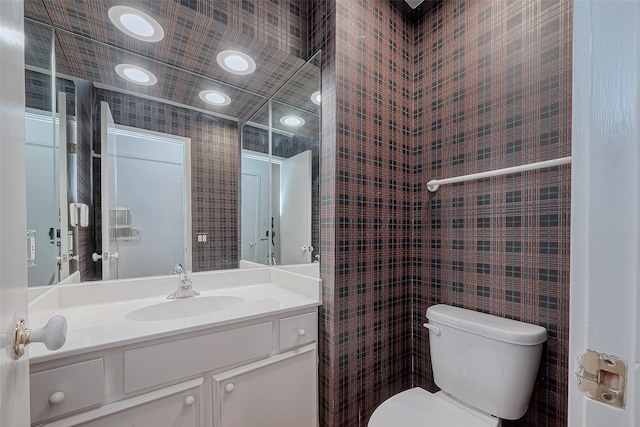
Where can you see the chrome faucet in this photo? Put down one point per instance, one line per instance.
(185, 286)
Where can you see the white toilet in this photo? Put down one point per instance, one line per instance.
(485, 366)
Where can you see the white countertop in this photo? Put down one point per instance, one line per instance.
(96, 313)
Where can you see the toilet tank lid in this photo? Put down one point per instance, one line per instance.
(487, 325)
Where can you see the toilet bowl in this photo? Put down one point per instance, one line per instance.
(419, 408)
(484, 365)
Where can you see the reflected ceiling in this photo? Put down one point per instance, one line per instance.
(294, 99)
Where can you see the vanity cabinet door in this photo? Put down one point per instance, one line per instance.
(180, 405)
(278, 392)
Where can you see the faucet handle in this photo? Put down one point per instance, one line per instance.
(187, 275)
(178, 269)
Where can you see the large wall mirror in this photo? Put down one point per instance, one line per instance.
(142, 154)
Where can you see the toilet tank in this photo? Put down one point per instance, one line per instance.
(486, 361)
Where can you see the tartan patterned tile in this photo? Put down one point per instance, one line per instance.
(495, 80)
(461, 88)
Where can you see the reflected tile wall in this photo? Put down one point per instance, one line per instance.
(38, 90)
(86, 235)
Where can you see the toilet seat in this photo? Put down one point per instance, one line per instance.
(419, 408)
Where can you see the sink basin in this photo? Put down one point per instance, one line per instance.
(184, 307)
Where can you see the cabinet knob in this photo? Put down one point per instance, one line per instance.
(302, 332)
(229, 387)
(189, 400)
(56, 397)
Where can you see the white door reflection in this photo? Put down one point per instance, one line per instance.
(255, 242)
(151, 221)
(264, 235)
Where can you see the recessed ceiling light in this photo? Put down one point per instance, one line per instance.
(292, 121)
(214, 97)
(236, 62)
(135, 74)
(316, 98)
(136, 24)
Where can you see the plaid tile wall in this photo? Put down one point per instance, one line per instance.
(215, 176)
(489, 87)
(322, 31)
(367, 175)
(493, 90)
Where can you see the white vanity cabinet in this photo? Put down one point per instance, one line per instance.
(181, 405)
(275, 392)
(257, 372)
(178, 406)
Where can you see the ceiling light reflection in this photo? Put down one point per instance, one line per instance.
(136, 24)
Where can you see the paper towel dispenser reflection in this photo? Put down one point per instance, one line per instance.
(78, 215)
